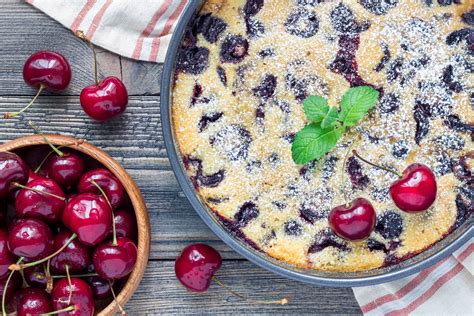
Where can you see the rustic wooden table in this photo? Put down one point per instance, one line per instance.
(136, 141)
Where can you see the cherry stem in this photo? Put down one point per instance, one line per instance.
(79, 142)
(59, 311)
(122, 311)
(114, 232)
(37, 131)
(375, 165)
(86, 275)
(4, 294)
(70, 284)
(83, 36)
(10, 115)
(32, 264)
(38, 191)
(25, 284)
(283, 301)
(49, 279)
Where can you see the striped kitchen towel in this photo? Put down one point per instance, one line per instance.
(446, 288)
(138, 29)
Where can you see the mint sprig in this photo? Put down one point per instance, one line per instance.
(328, 124)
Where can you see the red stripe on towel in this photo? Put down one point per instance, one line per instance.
(82, 14)
(149, 28)
(155, 45)
(97, 18)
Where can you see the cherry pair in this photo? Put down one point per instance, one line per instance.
(414, 191)
(48, 70)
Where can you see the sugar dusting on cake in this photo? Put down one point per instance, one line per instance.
(264, 60)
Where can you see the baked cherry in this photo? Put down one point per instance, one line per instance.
(114, 261)
(196, 266)
(45, 70)
(73, 299)
(125, 224)
(6, 257)
(354, 221)
(32, 301)
(12, 170)
(42, 199)
(65, 170)
(30, 238)
(112, 187)
(105, 99)
(416, 189)
(100, 287)
(89, 216)
(76, 255)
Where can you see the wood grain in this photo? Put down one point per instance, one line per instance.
(161, 293)
(136, 141)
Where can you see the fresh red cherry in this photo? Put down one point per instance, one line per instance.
(104, 100)
(100, 287)
(30, 238)
(32, 176)
(81, 300)
(48, 69)
(89, 216)
(125, 225)
(12, 287)
(47, 205)
(196, 265)
(76, 255)
(114, 262)
(12, 170)
(45, 70)
(6, 257)
(354, 221)
(112, 187)
(66, 170)
(416, 190)
(35, 276)
(31, 301)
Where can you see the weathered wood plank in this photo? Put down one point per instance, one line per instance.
(24, 30)
(161, 293)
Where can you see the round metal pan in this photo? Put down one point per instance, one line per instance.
(417, 263)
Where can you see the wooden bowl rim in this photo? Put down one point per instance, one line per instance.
(132, 190)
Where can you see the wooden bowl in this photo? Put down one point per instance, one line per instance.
(133, 192)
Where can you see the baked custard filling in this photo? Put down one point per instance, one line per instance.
(245, 70)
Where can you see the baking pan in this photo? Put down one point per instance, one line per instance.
(415, 264)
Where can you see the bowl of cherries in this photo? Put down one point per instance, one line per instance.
(74, 229)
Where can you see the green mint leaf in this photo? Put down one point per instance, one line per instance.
(331, 118)
(355, 104)
(315, 108)
(313, 142)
